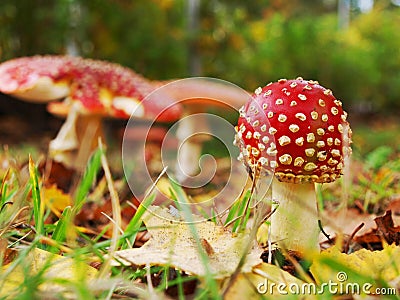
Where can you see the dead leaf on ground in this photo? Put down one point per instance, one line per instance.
(385, 230)
(55, 199)
(172, 243)
(92, 216)
(263, 281)
(394, 205)
(57, 174)
(360, 267)
(57, 268)
(346, 221)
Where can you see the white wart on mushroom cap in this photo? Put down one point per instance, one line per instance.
(296, 127)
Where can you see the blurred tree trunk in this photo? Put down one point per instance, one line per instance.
(194, 59)
(343, 14)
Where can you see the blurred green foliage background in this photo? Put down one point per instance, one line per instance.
(246, 42)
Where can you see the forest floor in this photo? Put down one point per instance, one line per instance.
(360, 213)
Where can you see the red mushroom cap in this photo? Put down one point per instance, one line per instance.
(36, 78)
(113, 90)
(296, 127)
(100, 87)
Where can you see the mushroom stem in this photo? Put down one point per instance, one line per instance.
(294, 225)
(76, 139)
(66, 139)
(92, 129)
(187, 164)
(192, 133)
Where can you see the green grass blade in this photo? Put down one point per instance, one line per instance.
(38, 208)
(188, 216)
(239, 213)
(3, 194)
(135, 223)
(89, 177)
(60, 232)
(232, 212)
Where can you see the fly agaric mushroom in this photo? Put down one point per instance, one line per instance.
(102, 89)
(37, 78)
(312, 139)
(94, 90)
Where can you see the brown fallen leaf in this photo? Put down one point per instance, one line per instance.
(55, 173)
(345, 221)
(386, 227)
(172, 243)
(385, 230)
(394, 205)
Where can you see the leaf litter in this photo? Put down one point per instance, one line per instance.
(172, 243)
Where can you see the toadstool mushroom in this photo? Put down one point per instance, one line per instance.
(299, 130)
(37, 78)
(92, 90)
(101, 89)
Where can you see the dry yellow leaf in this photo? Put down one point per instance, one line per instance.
(55, 199)
(360, 269)
(56, 267)
(264, 282)
(172, 243)
(164, 187)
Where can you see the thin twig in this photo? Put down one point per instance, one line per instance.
(119, 228)
(20, 239)
(116, 212)
(323, 232)
(347, 246)
(302, 273)
(12, 220)
(132, 205)
(48, 241)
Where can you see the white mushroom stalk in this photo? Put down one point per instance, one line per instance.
(76, 139)
(298, 130)
(294, 225)
(191, 134)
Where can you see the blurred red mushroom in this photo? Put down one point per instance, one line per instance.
(101, 89)
(94, 89)
(37, 78)
(91, 90)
